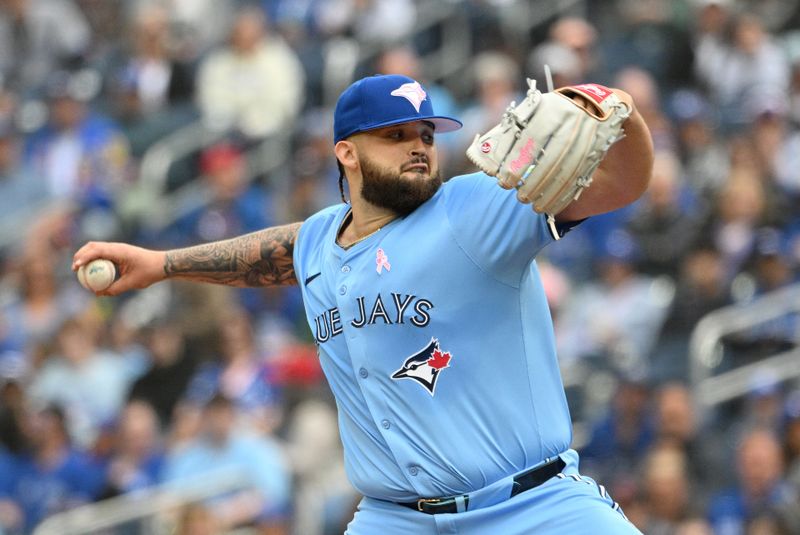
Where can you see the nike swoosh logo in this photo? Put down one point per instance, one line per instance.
(312, 277)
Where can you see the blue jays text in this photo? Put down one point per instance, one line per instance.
(329, 323)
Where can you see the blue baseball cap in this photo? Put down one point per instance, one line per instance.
(384, 100)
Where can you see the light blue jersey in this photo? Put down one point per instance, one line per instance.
(436, 338)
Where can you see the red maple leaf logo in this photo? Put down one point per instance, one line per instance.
(439, 360)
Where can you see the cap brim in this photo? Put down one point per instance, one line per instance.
(441, 124)
(445, 124)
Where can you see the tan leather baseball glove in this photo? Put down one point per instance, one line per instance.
(549, 145)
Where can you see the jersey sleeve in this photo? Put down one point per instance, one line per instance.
(500, 234)
(309, 237)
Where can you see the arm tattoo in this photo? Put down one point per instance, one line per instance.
(262, 258)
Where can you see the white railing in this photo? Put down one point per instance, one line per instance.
(706, 347)
(150, 506)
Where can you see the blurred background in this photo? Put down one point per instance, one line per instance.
(193, 409)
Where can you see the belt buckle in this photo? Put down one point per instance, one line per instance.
(423, 501)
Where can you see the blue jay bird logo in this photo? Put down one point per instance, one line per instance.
(425, 365)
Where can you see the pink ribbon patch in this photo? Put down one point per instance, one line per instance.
(382, 261)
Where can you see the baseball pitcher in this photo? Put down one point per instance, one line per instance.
(427, 307)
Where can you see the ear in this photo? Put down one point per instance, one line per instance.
(347, 153)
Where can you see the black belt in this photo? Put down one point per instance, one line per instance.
(522, 482)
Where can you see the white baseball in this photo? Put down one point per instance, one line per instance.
(97, 275)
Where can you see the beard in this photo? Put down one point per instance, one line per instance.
(387, 189)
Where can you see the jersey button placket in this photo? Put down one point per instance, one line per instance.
(342, 302)
(375, 405)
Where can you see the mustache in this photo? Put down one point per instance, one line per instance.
(415, 161)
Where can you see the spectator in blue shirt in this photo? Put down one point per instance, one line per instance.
(53, 476)
(223, 448)
(241, 373)
(231, 206)
(761, 490)
(136, 461)
(81, 153)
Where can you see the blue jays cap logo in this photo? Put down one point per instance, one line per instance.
(425, 366)
(412, 92)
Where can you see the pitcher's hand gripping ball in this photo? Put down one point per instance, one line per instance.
(97, 275)
(549, 145)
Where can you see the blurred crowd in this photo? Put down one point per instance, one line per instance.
(174, 385)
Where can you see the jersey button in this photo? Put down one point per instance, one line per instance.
(413, 470)
(363, 373)
(342, 290)
(386, 424)
(345, 269)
